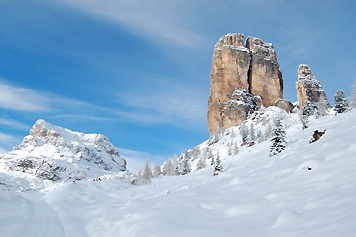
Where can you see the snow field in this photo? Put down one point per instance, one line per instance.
(307, 190)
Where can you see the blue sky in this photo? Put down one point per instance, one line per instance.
(138, 71)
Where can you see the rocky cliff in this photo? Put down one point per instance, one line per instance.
(308, 88)
(54, 153)
(252, 66)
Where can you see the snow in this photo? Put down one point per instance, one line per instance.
(306, 190)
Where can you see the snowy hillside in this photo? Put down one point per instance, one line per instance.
(52, 153)
(306, 190)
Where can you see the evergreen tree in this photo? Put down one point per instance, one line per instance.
(209, 153)
(218, 168)
(278, 139)
(201, 163)
(236, 149)
(138, 178)
(341, 103)
(309, 108)
(147, 172)
(322, 106)
(229, 150)
(167, 167)
(233, 134)
(252, 133)
(304, 119)
(185, 166)
(212, 160)
(243, 132)
(157, 171)
(268, 131)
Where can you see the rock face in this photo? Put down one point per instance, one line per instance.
(241, 104)
(285, 105)
(54, 153)
(252, 67)
(308, 88)
(265, 75)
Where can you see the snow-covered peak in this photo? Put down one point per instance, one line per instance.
(54, 153)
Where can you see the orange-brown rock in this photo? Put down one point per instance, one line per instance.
(265, 74)
(308, 88)
(286, 105)
(253, 67)
(229, 70)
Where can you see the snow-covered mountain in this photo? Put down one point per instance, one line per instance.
(306, 190)
(57, 154)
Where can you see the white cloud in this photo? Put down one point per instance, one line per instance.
(8, 139)
(22, 99)
(14, 124)
(155, 19)
(167, 104)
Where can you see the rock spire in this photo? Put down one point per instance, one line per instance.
(308, 88)
(251, 67)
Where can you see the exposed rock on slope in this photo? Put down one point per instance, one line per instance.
(53, 153)
(286, 105)
(239, 107)
(308, 88)
(253, 67)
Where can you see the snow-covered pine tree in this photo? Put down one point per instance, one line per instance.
(229, 150)
(341, 103)
(209, 153)
(175, 165)
(268, 131)
(278, 139)
(212, 160)
(322, 106)
(147, 172)
(304, 119)
(232, 133)
(157, 171)
(196, 152)
(185, 168)
(138, 178)
(167, 167)
(252, 134)
(243, 132)
(201, 163)
(309, 108)
(235, 149)
(218, 168)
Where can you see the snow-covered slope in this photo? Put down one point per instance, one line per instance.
(306, 190)
(57, 154)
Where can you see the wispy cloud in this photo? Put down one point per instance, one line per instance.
(158, 19)
(14, 124)
(171, 103)
(21, 99)
(8, 139)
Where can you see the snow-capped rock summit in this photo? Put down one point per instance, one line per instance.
(54, 153)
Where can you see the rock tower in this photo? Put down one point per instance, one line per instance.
(308, 88)
(251, 68)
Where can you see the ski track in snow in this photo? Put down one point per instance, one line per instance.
(256, 195)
